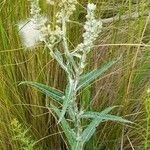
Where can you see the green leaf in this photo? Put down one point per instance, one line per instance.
(91, 76)
(90, 130)
(67, 99)
(115, 118)
(70, 134)
(59, 58)
(105, 117)
(108, 109)
(99, 117)
(51, 92)
(90, 114)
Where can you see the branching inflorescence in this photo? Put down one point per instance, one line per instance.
(72, 62)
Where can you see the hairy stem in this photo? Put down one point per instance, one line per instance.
(77, 120)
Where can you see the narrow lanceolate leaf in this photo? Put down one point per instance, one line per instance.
(115, 118)
(59, 58)
(97, 118)
(90, 114)
(90, 130)
(51, 92)
(108, 109)
(67, 99)
(70, 134)
(104, 117)
(91, 76)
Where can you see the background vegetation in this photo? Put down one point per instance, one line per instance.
(23, 108)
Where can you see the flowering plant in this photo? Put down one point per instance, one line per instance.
(73, 63)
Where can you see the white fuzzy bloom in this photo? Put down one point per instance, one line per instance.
(148, 90)
(29, 33)
(91, 7)
(34, 30)
(92, 29)
(67, 7)
(47, 35)
(51, 2)
(51, 37)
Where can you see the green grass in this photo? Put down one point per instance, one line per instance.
(124, 85)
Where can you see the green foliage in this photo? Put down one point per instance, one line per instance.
(51, 92)
(147, 131)
(97, 117)
(21, 136)
(67, 100)
(86, 79)
(70, 134)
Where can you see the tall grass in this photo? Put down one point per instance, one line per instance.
(124, 85)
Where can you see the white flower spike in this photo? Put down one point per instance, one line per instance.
(51, 2)
(91, 7)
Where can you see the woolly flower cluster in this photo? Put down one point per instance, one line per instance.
(35, 11)
(67, 7)
(36, 29)
(31, 30)
(46, 34)
(92, 29)
(50, 37)
(51, 2)
(37, 19)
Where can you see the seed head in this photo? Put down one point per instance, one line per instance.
(29, 33)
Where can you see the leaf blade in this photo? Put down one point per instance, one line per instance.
(51, 92)
(90, 130)
(91, 76)
(99, 117)
(70, 134)
(67, 99)
(106, 117)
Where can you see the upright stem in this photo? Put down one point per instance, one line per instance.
(77, 121)
(75, 78)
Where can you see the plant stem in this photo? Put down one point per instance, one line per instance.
(77, 121)
(75, 79)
